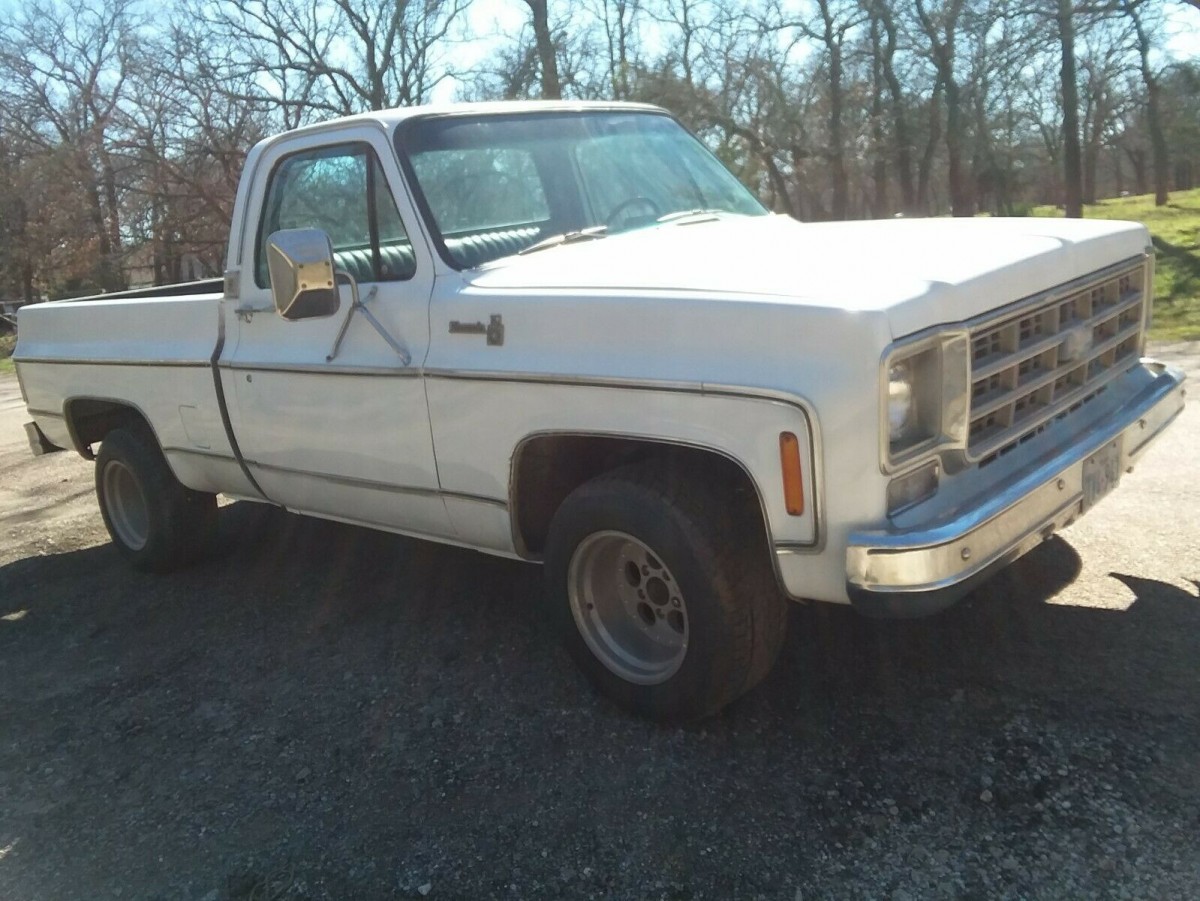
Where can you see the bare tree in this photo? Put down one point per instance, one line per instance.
(339, 56)
(67, 67)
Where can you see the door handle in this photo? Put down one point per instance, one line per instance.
(246, 312)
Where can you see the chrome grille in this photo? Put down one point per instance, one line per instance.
(1036, 366)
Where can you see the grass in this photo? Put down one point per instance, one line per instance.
(1175, 229)
(7, 343)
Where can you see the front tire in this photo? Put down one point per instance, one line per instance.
(155, 522)
(660, 589)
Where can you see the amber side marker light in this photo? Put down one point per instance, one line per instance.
(793, 483)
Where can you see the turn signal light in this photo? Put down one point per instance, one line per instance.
(793, 481)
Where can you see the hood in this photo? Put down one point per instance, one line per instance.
(919, 272)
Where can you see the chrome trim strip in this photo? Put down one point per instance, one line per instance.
(349, 481)
(79, 361)
(585, 381)
(815, 454)
(321, 369)
(1007, 518)
(1148, 294)
(85, 450)
(371, 485)
(475, 499)
(701, 388)
(200, 452)
(523, 551)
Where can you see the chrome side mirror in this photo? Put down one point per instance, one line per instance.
(300, 263)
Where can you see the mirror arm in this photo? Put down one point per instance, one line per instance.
(360, 305)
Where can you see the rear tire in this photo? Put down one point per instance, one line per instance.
(155, 522)
(661, 591)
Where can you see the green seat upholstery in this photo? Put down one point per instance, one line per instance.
(474, 250)
(397, 261)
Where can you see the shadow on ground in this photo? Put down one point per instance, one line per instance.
(342, 713)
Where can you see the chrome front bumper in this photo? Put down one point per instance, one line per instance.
(921, 571)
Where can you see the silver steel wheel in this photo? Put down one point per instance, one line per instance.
(628, 607)
(127, 508)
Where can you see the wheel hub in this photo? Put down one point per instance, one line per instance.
(628, 607)
(127, 508)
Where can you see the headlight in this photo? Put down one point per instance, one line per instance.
(926, 392)
(900, 401)
(914, 399)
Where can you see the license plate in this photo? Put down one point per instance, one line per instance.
(1101, 472)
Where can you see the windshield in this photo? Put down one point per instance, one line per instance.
(493, 185)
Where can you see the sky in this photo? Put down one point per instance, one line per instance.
(493, 21)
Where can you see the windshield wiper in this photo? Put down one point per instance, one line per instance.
(701, 215)
(584, 234)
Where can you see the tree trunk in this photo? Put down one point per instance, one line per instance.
(837, 151)
(1072, 168)
(1158, 142)
(904, 163)
(878, 201)
(112, 220)
(27, 282)
(926, 166)
(941, 37)
(547, 55)
(1094, 118)
(962, 201)
(1137, 159)
(832, 36)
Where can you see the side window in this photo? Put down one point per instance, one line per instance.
(341, 190)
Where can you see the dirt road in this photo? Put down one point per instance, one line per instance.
(327, 712)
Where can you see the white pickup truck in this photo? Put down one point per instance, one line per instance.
(565, 333)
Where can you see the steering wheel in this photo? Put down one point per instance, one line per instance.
(618, 211)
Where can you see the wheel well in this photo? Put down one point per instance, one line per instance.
(90, 419)
(546, 468)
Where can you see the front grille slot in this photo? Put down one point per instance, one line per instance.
(1035, 367)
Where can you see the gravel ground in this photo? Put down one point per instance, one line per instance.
(328, 712)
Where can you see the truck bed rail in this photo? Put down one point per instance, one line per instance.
(204, 286)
